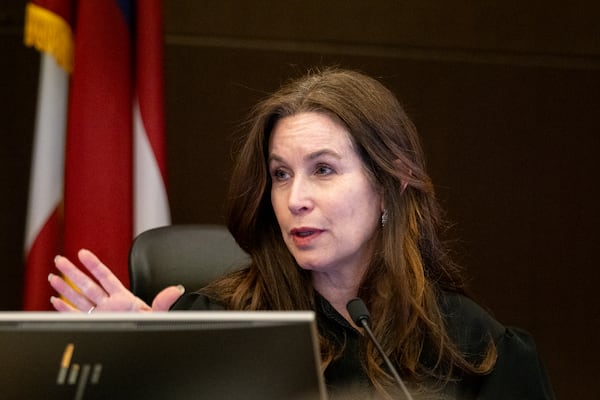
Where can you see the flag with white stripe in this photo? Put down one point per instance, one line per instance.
(111, 163)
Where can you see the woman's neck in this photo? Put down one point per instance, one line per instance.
(338, 291)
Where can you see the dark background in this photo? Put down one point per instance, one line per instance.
(506, 96)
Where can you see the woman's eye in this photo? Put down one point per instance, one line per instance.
(324, 170)
(279, 174)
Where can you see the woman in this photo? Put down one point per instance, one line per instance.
(330, 198)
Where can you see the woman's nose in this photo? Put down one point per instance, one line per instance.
(300, 196)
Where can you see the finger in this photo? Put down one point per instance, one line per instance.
(60, 305)
(66, 290)
(101, 272)
(87, 286)
(167, 297)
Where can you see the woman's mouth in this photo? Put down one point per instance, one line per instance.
(303, 237)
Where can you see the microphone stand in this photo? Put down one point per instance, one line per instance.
(360, 315)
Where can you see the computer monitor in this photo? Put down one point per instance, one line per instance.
(175, 355)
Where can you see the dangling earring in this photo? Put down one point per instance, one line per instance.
(384, 217)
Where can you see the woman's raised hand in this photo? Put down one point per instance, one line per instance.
(106, 293)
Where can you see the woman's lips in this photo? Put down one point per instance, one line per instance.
(303, 237)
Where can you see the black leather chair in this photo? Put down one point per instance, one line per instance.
(191, 255)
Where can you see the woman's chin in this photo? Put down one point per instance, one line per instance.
(310, 265)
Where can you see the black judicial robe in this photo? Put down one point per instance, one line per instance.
(517, 375)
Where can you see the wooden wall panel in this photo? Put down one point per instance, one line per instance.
(514, 26)
(18, 85)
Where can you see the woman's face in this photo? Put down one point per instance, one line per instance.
(327, 208)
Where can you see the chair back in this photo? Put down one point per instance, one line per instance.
(190, 255)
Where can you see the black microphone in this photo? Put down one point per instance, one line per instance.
(360, 315)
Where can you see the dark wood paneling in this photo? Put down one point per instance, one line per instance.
(552, 27)
(18, 85)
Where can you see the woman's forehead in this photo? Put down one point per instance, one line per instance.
(310, 132)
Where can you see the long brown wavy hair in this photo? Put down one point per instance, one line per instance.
(410, 266)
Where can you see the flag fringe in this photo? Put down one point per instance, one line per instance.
(48, 32)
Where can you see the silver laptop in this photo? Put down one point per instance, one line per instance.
(175, 355)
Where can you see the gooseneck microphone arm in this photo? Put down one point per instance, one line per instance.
(360, 315)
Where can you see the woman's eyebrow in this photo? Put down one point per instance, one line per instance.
(324, 152)
(274, 157)
(311, 156)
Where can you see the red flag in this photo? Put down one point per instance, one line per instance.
(47, 28)
(115, 120)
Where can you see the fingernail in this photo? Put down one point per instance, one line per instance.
(56, 257)
(181, 289)
(52, 299)
(50, 276)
